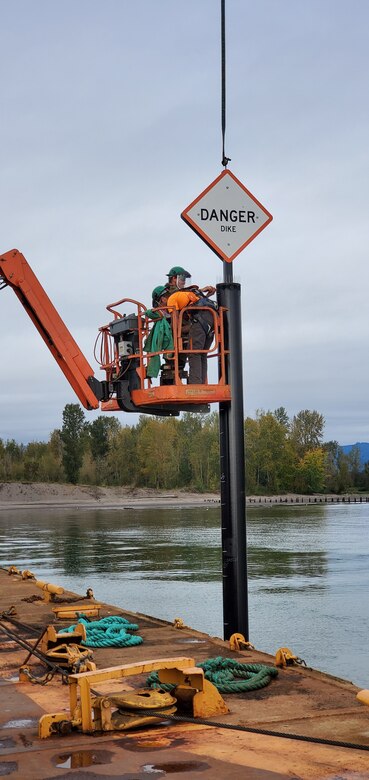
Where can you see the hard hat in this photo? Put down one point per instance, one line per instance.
(157, 294)
(158, 291)
(176, 270)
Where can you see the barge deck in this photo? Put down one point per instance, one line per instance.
(280, 732)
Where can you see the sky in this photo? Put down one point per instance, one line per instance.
(111, 125)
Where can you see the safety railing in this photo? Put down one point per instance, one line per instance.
(116, 367)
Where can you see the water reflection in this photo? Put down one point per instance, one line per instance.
(308, 569)
(162, 544)
(159, 544)
(286, 563)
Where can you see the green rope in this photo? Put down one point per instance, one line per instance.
(110, 631)
(222, 672)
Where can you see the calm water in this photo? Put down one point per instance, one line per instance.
(308, 571)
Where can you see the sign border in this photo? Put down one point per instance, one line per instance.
(205, 237)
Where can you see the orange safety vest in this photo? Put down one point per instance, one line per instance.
(181, 299)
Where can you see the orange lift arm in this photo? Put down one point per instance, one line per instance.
(16, 273)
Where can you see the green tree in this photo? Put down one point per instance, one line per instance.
(353, 458)
(342, 470)
(190, 429)
(51, 468)
(12, 460)
(51, 462)
(281, 415)
(2, 460)
(100, 433)
(204, 454)
(251, 428)
(32, 460)
(332, 452)
(270, 460)
(72, 436)
(121, 464)
(158, 452)
(344, 480)
(307, 431)
(311, 471)
(365, 477)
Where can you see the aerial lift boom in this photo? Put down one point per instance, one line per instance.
(123, 357)
(15, 272)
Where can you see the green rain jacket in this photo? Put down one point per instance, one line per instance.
(159, 339)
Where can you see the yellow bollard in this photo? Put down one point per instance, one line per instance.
(363, 696)
(49, 590)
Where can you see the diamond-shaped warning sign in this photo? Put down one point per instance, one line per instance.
(227, 216)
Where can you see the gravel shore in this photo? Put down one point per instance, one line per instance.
(17, 495)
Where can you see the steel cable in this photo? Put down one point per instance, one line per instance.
(263, 732)
(225, 160)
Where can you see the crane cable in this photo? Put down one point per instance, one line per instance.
(225, 160)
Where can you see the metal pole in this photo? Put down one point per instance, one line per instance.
(232, 468)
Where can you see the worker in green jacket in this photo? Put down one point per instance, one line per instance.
(160, 337)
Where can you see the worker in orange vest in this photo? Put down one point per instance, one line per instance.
(198, 327)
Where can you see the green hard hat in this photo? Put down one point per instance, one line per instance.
(178, 270)
(158, 292)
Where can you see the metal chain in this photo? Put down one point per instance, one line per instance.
(39, 680)
(41, 656)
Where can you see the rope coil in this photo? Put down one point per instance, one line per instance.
(111, 631)
(228, 675)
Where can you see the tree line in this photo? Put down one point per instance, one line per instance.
(282, 454)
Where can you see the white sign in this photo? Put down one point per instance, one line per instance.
(227, 216)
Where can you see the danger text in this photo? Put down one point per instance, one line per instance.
(227, 215)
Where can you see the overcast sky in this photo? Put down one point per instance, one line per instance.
(110, 126)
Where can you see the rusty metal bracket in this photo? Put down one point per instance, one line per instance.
(69, 612)
(13, 570)
(285, 657)
(72, 657)
(51, 638)
(238, 642)
(91, 712)
(28, 575)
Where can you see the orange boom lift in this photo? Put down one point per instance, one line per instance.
(119, 349)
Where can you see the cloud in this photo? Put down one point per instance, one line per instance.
(112, 126)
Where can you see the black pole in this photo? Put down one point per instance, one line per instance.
(232, 468)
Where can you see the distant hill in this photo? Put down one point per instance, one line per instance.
(363, 447)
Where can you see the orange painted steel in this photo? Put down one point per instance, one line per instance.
(108, 357)
(178, 393)
(110, 406)
(16, 272)
(145, 394)
(188, 394)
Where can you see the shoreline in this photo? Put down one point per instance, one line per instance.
(20, 495)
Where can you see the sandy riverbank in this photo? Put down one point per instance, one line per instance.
(14, 495)
(21, 494)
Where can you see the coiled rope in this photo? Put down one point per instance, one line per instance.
(228, 675)
(111, 631)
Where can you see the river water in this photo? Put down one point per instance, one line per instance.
(308, 570)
